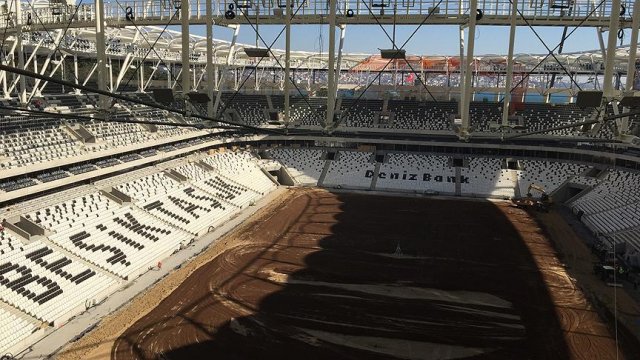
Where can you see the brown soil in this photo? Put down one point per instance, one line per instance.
(345, 276)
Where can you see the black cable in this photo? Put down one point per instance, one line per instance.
(46, 114)
(385, 66)
(64, 33)
(554, 49)
(396, 47)
(551, 52)
(151, 47)
(28, 73)
(605, 120)
(274, 56)
(227, 103)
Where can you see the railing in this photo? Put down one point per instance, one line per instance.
(162, 10)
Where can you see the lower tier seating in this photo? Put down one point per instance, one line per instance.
(304, 165)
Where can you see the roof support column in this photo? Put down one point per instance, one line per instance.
(633, 47)
(287, 65)
(331, 68)
(468, 74)
(75, 71)
(343, 29)
(220, 84)
(614, 22)
(461, 70)
(9, 57)
(186, 77)
(631, 64)
(512, 37)
(22, 93)
(101, 53)
(210, 69)
(141, 73)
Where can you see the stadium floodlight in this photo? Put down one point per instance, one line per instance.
(392, 53)
(589, 99)
(256, 52)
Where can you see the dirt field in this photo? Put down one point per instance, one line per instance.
(344, 276)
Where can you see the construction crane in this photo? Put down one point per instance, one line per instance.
(543, 203)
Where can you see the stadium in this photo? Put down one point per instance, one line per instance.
(338, 179)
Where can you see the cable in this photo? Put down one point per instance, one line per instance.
(554, 49)
(64, 33)
(551, 52)
(28, 73)
(89, 118)
(227, 104)
(151, 48)
(396, 47)
(342, 115)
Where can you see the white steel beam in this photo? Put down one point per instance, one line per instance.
(287, 64)
(210, 67)
(186, 78)
(468, 63)
(633, 46)
(611, 50)
(343, 29)
(101, 53)
(232, 48)
(22, 93)
(509, 80)
(93, 69)
(461, 70)
(624, 123)
(331, 68)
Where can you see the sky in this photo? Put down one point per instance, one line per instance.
(428, 40)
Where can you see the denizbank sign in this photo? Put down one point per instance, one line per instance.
(416, 177)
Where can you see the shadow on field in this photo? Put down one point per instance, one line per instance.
(363, 277)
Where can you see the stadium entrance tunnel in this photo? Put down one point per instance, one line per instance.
(348, 276)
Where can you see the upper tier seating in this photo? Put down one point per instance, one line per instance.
(359, 113)
(304, 165)
(36, 145)
(429, 115)
(249, 107)
(17, 184)
(118, 134)
(43, 282)
(305, 111)
(416, 172)
(350, 170)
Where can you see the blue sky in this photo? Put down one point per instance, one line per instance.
(429, 40)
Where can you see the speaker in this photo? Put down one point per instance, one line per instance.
(256, 52)
(589, 99)
(630, 101)
(198, 98)
(392, 53)
(163, 96)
